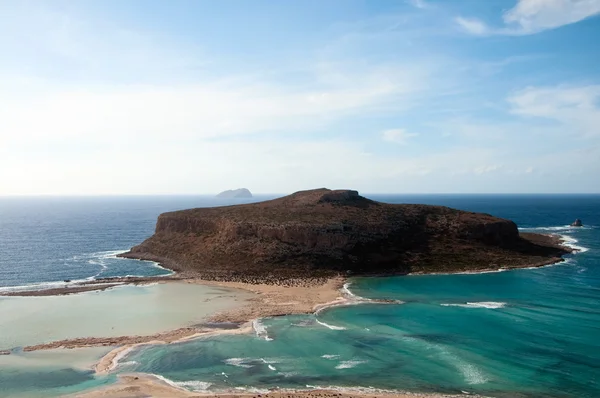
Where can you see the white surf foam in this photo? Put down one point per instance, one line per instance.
(349, 364)
(480, 304)
(128, 363)
(332, 327)
(330, 356)
(569, 241)
(261, 330)
(239, 362)
(50, 285)
(347, 292)
(122, 354)
(354, 297)
(471, 373)
(270, 360)
(194, 385)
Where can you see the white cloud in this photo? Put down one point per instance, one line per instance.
(575, 108)
(398, 136)
(473, 26)
(533, 16)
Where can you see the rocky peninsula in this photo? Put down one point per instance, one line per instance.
(322, 233)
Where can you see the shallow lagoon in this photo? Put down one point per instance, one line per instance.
(121, 311)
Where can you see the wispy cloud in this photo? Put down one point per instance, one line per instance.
(576, 108)
(533, 16)
(473, 26)
(398, 136)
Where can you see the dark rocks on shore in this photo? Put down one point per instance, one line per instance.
(322, 233)
(577, 223)
(235, 193)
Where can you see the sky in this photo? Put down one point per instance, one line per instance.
(139, 97)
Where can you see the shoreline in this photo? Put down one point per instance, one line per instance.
(141, 385)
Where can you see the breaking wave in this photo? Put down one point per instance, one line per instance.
(332, 327)
(569, 241)
(261, 330)
(239, 362)
(480, 304)
(193, 385)
(349, 364)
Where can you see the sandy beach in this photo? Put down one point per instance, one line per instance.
(142, 386)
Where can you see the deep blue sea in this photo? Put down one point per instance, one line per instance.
(520, 333)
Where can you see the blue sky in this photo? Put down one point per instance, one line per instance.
(186, 97)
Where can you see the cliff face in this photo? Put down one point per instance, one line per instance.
(323, 232)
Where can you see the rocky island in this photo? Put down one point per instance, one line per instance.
(235, 193)
(577, 223)
(323, 233)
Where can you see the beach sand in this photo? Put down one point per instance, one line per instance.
(141, 386)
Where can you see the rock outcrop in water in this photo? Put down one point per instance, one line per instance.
(577, 223)
(321, 233)
(235, 193)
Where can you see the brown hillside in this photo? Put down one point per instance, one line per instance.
(321, 232)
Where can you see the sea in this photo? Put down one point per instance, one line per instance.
(514, 333)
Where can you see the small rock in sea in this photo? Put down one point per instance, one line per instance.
(577, 223)
(67, 280)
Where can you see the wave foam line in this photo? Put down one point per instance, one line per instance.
(557, 228)
(239, 362)
(261, 330)
(51, 285)
(569, 241)
(332, 327)
(194, 385)
(480, 304)
(349, 364)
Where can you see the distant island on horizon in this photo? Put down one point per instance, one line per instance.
(235, 193)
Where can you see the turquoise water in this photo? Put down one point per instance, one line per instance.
(51, 373)
(522, 333)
